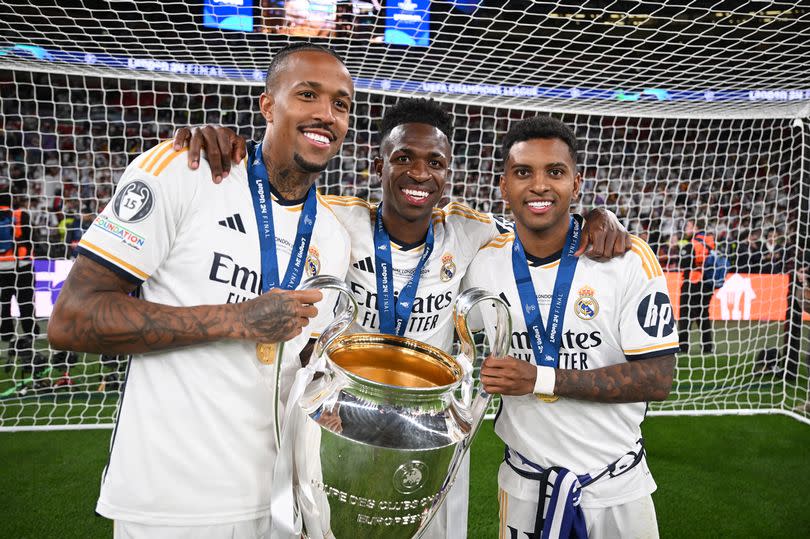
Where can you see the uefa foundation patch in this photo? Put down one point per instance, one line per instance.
(119, 231)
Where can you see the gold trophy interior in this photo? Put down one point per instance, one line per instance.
(394, 361)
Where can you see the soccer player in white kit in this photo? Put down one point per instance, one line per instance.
(430, 248)
(193, 450)
(591, 343)
(426, 249)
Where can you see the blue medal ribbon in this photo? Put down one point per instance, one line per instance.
(263, 208)
(394, 312)
(546, 341)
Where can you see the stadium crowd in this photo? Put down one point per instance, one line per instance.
(66, 140)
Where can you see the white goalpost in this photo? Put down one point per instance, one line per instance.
(696, 112)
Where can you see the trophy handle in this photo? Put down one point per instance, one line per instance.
(473, 404)
(499, 346)
(343, 320)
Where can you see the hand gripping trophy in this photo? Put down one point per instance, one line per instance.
(376, 426)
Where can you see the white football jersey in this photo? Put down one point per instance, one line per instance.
(194, 441)
(459, 231)
(617, 311)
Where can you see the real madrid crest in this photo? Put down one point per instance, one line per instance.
(586, 306)
(448, 267)
(313, 263)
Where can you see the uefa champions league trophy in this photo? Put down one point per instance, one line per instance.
(372, 446)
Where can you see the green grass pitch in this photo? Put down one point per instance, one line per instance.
(726, 476)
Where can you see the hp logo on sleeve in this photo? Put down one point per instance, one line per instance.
(655, 315)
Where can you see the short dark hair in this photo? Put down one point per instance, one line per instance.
(540, 127)
(415, 110)
(278, 60)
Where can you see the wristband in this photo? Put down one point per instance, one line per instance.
(544, 383)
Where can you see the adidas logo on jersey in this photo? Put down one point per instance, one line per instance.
(367, 264)
(234, 222)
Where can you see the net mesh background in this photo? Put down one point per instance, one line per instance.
(738, 162)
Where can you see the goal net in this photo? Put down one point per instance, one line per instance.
(692, 116)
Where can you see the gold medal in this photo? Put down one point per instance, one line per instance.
(266, 352)
(547, 398)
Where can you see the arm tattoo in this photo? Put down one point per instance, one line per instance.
(633, 381)
(95, 313)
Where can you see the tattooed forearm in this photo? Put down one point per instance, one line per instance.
(94, 313)
(634, 381)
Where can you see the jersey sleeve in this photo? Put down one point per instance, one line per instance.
(350, 212)
(135, 231)
(647, 319)
(472, 228)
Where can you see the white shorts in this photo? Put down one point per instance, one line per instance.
(631, 520)
(451, 520)
(247, 529)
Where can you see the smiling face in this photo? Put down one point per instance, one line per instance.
(307, 111)
(540, 181)
(413, 169)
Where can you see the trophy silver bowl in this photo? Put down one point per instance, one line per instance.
(377, 439)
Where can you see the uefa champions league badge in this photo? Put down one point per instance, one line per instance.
(448, 267)
(586, 306)
(313, 263)
(410, 477)
(133, 202)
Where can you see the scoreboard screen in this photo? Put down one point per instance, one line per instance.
(228, 14)
(398, 22)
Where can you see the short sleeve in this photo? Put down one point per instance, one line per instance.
(135, 231)
(647, 320)
(472, 228)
